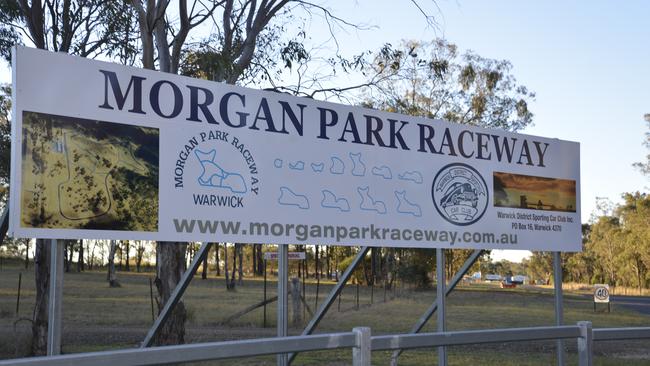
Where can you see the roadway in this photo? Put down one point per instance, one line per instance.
(638, 303)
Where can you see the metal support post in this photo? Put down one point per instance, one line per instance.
(20, 280)
(559, 310)
(440, 298)
(283, 309)
(55, 298)
(585, 344)
(176, 295)
(434, 306)
(361, 353)
(331, 297)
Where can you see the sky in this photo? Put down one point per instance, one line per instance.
(587, 61)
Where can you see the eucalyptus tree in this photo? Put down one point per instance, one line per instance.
(635, 256)
(644, 166)
(229, 54)
(160, 39)
(436, 80)
(87, 28)
(607, 243)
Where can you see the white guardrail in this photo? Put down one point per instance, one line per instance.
(359, 340)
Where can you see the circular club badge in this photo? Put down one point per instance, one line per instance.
(460, 194)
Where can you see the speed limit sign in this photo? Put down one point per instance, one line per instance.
(601, 293)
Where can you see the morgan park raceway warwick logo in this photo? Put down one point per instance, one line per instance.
(223, 168)
(460, 194)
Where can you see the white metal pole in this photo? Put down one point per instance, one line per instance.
(361, 353)
(559, 310)
(440, 297)
(434, 306)
(585, 344)
(333, 295)
(283, 313)
(55, 298)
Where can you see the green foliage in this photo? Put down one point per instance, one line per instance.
(12, 247)
(9, 36)
(87, 28)
(412, 266)
(503, 268)
(616, 247)
(357, 275)
(539, 267)
(415, 266)
(433, 80)
(218, 56)
(644, 167)
(415, 273)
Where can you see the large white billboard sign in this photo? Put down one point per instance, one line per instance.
(102, 150)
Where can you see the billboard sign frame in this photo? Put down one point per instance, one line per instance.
(114, 152)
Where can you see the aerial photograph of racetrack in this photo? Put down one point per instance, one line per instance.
(87, 174)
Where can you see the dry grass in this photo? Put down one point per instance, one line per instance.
(97, 317)
(613, 290)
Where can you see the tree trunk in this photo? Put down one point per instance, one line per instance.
(204, 273)
(169, 270)
(92, 256)
(260, 260)
(119, 248)
(328, 263)
(254, 257)
(70, 252)
(112, 278)
(639, 275)
(27, 254)
(225, 265)
(188, 254)
(321, 256)
(86, 263)
(216, 258)
(66, 256)
(127, 245)
(139, 253)
(102, 253)
(80, 257)
(240, 256)
(316, 262)
(376, 264)
(391, 268)
(42, 280)
(367, 273)
(235, 249)
(231, 285)
(300, 263)
(336, 268)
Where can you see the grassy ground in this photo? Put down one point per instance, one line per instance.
(97, 317)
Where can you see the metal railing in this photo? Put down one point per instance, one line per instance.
(359, 340)
(457, 338)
